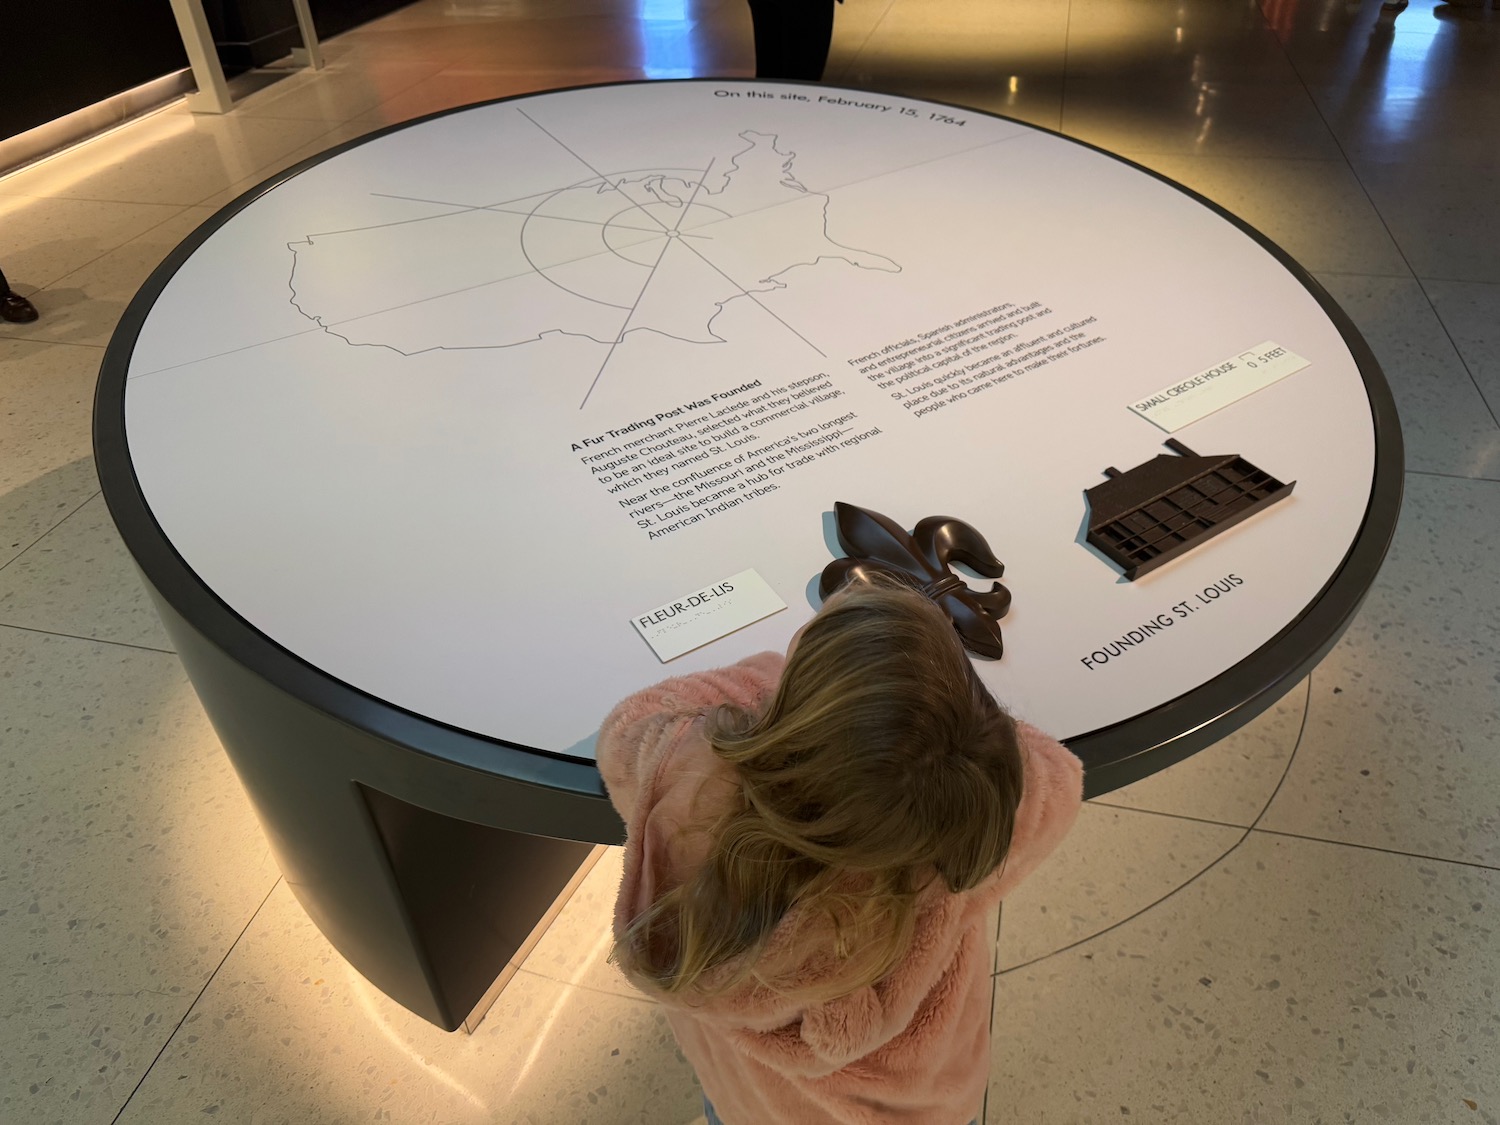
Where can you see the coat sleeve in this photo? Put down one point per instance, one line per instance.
(907, 1005)
(644, 720)
(1049, 805)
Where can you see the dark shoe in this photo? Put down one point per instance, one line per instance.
(17, 309)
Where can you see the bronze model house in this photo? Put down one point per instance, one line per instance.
(1169, 505)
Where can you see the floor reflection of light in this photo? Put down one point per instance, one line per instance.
(102, 151)
(540, 1039)
(1484, 454)
(1396, 65)
(365, 993)
(1403, 89)
(666, 33)
(1282, 16)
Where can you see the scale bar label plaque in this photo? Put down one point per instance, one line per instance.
(1198, 396)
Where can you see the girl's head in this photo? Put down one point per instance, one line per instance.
(881, 749)
(880, 764)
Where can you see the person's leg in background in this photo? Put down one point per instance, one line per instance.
(791, 37)
(14, 307)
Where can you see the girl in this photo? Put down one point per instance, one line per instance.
(813, 848)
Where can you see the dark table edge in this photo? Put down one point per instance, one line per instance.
(1113, 756)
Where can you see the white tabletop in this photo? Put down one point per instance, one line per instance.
(368, 410)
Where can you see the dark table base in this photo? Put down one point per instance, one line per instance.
(429, 907)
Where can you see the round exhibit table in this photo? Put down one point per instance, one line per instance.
(433, 447)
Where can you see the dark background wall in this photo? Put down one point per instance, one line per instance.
(251, 32)
(255, 32)
(57, 56)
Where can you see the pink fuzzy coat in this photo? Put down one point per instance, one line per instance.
(913, 1048)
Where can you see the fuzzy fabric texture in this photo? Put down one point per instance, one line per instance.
(911, 1049)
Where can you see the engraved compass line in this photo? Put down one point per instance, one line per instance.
(542, 195)
(318, 326)
(590, 167)
(625, 324)
(624, 327)
(665, 236)
(743, 292)
(535, 270)
(502, 209)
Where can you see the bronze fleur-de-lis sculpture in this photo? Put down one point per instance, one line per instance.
(877, 543)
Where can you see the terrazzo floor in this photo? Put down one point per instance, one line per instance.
(1297, 925)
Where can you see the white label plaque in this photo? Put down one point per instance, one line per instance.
(1183, 403)
(694, 619)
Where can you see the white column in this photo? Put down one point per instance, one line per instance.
(310, 54)
(192, 25)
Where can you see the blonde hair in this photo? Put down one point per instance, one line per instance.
(881, 763)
